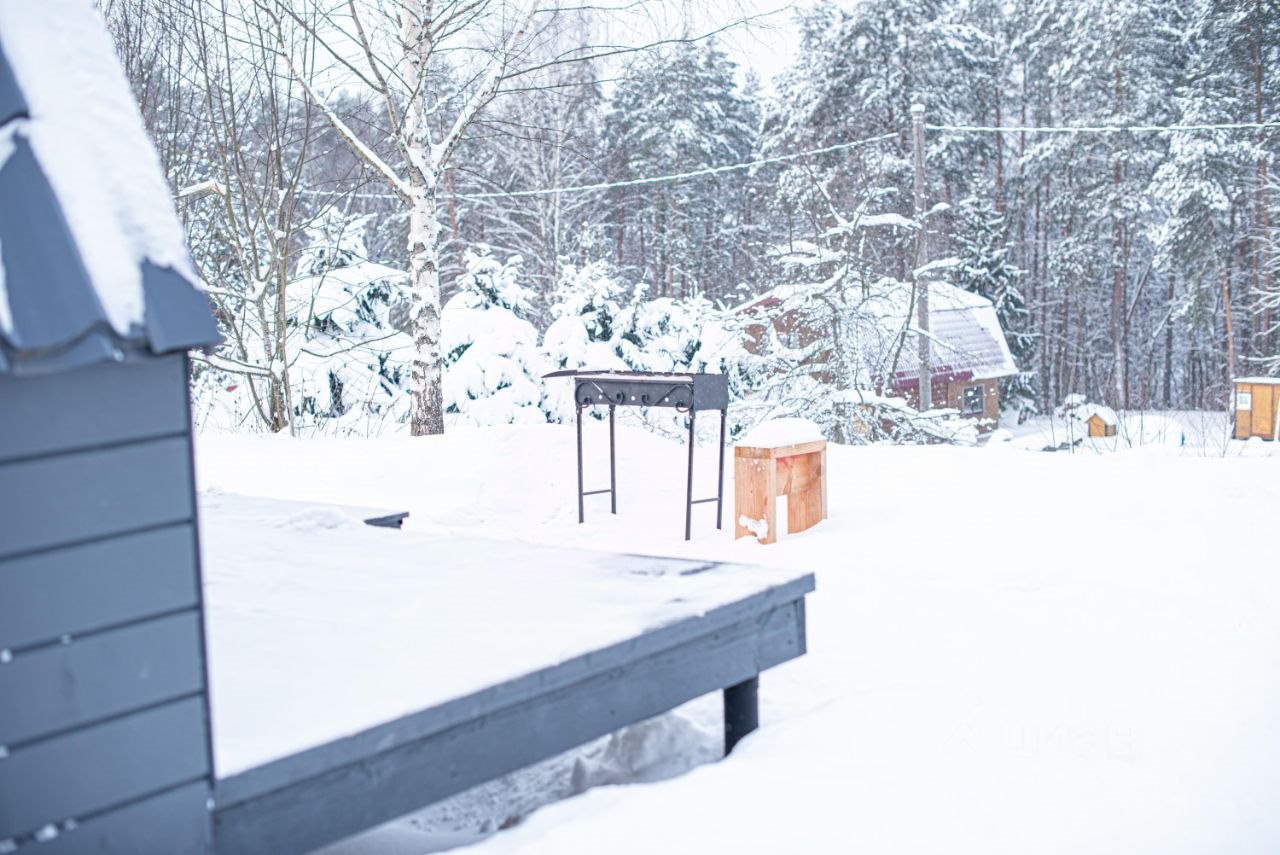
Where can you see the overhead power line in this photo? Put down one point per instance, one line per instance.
(635, 182)
(1103, 129)
(733, 167)
(678, 176)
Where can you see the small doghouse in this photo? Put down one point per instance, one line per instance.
(1256, 400)
(1100, 421)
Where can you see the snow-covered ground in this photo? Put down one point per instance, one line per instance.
(1008, 651)
(300, 598)
(1194, 433)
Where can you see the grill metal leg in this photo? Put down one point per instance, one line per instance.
(741, 711)
(613, 474)
(724, 415)
(580, 510)
(688, 504)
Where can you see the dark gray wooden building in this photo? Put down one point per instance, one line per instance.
(106, 736)
(104, 730)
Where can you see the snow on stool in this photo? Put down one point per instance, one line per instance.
(781, 458)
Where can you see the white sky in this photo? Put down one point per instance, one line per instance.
(767, 44)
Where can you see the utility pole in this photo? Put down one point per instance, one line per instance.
(921, 280)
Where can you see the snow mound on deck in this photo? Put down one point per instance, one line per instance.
(319, 519)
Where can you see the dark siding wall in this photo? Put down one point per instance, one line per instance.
(103, 715)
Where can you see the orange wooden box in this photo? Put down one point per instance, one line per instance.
(761, 475)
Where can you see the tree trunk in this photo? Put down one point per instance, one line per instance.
(282, 397)
(1263, 246)
(1231, 339)
(1118, 300)
(1042, 294)
(426, 387)
(1168, 349)
(999, 158)
(453, 206)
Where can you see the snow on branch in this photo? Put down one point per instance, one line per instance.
(936, 265)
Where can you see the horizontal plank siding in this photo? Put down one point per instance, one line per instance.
(53, 501)
(173, 823)
(116, 580)
(97, 768)
(57, 688)
(405, 776)
(101, 404)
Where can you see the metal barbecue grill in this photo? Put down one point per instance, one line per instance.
(686, 393)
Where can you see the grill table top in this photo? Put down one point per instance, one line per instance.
(683, 391)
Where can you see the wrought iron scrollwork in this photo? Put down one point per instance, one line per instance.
(589, 392)
(683, 403)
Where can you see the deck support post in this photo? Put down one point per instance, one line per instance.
(581, 516)
(613, 472)
(688, 505)
(741, 711)
(724, 416)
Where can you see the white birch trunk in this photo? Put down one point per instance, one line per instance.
(426, 374)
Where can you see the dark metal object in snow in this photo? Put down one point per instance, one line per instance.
(741, 711)
(388, 520)
(686, 393)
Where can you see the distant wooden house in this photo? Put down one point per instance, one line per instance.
(1255, 404)
(969, 352)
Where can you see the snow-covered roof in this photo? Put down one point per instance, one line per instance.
(92, 256)
(1259, 381)
(967, 340)
(1087, 411)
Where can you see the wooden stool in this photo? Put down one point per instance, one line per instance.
(761, 475)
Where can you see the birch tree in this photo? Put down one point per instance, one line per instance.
(433, 67)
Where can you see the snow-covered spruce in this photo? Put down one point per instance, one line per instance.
(491, 359)
(347, 354)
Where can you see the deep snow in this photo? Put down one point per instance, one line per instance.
(1008, 651)
(302, 598)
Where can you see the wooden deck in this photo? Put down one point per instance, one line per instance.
(360, 674)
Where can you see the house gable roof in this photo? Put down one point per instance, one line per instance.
(92, 257)
(968, 343)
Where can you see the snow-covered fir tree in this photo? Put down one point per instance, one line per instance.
(350, 358)
(675, 111)
(985, 268)
(491, 358)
